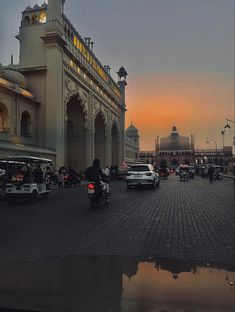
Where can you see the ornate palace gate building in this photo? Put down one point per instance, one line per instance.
(81, 110)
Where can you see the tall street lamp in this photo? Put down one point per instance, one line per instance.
(208, 141)
(223, 132)
(227, 126)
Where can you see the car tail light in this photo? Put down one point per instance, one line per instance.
(149, 174)
(91, 186)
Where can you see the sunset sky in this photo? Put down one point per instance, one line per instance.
(179, 55)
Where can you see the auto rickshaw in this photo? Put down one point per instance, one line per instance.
(27, 177)
(184, 173)
(3, 166)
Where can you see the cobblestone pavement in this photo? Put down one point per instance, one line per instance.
(192, 220)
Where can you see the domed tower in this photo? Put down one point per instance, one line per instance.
(133, 134)
(192, 141)
(174, 131)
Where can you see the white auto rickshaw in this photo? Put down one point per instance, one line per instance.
(28, 177)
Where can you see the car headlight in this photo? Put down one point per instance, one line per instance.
(149, 174)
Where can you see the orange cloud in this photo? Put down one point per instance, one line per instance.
(196, 104)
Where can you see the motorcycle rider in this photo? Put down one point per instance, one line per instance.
(96, 174)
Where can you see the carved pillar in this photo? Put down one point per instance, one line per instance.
(91, 128)
(109, 138)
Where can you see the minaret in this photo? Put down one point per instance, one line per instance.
(192, 138)
(122, 82)
(157, 147)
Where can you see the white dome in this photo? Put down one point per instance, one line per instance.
(16, 77)
(132, 131)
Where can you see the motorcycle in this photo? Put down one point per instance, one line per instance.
(96, 195)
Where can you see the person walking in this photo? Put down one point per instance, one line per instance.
(211, 173)
(61, 175)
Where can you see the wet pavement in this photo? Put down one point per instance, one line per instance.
(113, 283)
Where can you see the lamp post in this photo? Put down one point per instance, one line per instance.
(208, 141)
(227, 126)
(223, 132)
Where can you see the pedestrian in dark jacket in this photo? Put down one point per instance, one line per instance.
(211, 173)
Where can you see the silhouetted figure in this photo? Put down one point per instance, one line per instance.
(211, 173)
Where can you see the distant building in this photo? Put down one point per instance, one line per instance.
(213, 156)
(147, 157)
(175, 149)
(132, 144)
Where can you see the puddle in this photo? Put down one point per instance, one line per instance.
(112, 283)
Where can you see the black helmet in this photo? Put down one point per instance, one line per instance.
(96, 162)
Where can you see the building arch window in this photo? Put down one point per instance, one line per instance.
(42, 17)
(25, 124)
(4, 119)
(26, 21)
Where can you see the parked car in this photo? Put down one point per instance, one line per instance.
(142, 174)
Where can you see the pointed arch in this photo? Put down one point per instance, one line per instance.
(115, 137)
(4, 118)
(100, 137)
(76, 123)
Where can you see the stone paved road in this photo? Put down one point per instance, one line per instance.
(184, 220)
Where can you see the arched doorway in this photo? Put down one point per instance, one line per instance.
(3, 117)
(75, 134)
(114, 146)
(100, 139)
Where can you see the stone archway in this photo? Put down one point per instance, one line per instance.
(114, 146)
(100, 141)
(75, 130)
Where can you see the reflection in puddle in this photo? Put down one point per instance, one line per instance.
(111, 283)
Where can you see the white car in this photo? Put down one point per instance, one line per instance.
(142, 174)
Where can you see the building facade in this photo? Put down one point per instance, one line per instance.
(75, 111)
(214, 156)
(175, 149)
